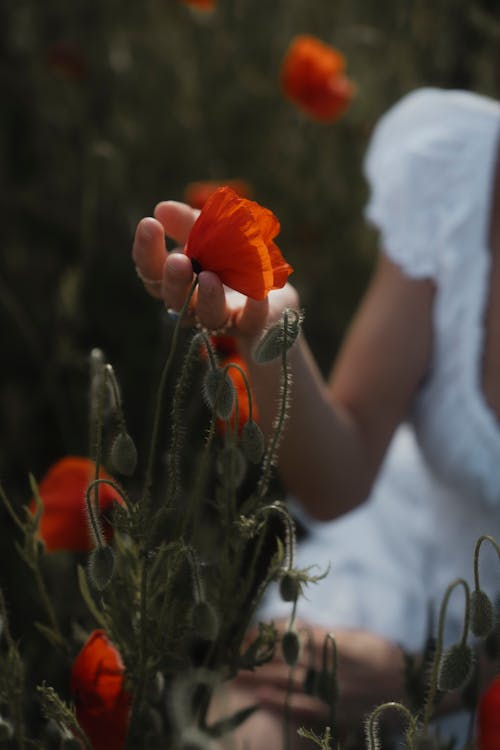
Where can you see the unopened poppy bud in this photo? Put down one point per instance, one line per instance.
(124, 454)
(231, 463)
(6, 730)
(289, 587)
(280, 337)
(218, 390)
(455, 668)
(252, 441)
(290, 647)
(481, 614)
(101, 566)
(204, 620)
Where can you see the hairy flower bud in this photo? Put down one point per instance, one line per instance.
(481, 614)
(218, 391)
(204, 620)
(231, 464)
(124, 454)
(101, 566)
(279, 338)
(289, 587)
(455, 668)
(290, 647)
(252, 441)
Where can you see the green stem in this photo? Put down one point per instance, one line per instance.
(433, 686)
(372, 723)
(269, 457)
(482, 539)
(160, 394)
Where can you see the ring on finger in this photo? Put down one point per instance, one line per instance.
(152, 282)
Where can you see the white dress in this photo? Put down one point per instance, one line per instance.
(430, 166)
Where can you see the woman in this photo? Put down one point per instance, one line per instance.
(423, 348)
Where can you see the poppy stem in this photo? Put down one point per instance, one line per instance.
(160, 394)
(482, 539)
(243, 374)
(372, 739)
(433, 683)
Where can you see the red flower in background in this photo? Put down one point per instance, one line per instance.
(233, 237)
(200, 4)
(64, 524)
(97, 686)
(197, 193)
(312, 76)
(488, 718)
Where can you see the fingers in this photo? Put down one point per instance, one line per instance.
(176, 219)
(148, 252)
(177, 278)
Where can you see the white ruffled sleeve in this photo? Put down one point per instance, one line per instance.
(407, 166)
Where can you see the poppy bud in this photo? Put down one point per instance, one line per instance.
(455, 668)
(280, 337)
(252, 441)
(204, 620)
(218, 390)
(101, 566)
(231, 463)
(289, 587)
(290, 647)
(481, 614)
(124, 454)
(6, 730)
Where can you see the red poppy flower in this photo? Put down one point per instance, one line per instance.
(488, 718)
(312, 76)
(64, 524)
(233, 237)
(200, 4)
(97, 686)
(197, 193)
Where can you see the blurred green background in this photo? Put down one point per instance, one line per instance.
(108, 107)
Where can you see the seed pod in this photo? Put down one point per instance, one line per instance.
(455, 668)
(218, 391)
(124, 454)
(290, 647)
(101, 566)
(481, 614)
(204, 620)
(252, 441)
(280, 337)
(289, 587)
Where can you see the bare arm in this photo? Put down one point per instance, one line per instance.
(338, 431)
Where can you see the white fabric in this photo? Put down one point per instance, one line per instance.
(430, 165)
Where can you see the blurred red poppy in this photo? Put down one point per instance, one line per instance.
(64, 524)
(200, 4)
(97, 687)
(197, 193)
(488, 718)
(233, 237)
(312, 76)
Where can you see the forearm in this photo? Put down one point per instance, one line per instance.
(322, 456)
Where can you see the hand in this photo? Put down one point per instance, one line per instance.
(168, 276)
(370, 671)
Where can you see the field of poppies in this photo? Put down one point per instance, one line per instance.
(140, 516)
